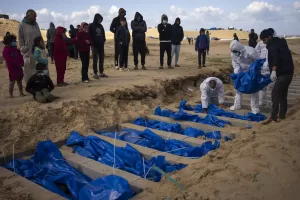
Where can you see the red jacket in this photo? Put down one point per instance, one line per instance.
(60, 45)
(14, 61)
(81, 41)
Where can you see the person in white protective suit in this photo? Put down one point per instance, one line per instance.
(262, 51)
(242, 57)
(212, 92)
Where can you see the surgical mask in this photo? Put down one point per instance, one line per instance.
(165, 21)
(14, 44)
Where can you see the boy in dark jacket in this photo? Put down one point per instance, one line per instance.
(282, 70)
(139, 28)
(253, 39)
(165, 36)
(201, 46)
(177, 37)
(40, 85)
(115, 24)
(97, 38)
(72, 33)
(123, 39)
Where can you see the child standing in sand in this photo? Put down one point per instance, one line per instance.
(14, 62)
(123, 39)
(39, 53)
(201, 47)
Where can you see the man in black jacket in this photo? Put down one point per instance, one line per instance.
(253, 39)
(139, 28)
(177, 37)
(72, 33)
(282, 70)
(165, 35)
(97, 38)
(115, 24)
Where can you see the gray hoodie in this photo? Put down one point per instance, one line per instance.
(51, 32)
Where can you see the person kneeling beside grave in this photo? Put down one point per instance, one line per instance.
(40, 85)
(212, 92)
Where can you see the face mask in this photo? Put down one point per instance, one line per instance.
(165, 21)
(13, 44)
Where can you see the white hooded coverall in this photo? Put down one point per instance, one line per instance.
(242, 63)
(212, 96)
(262, 51)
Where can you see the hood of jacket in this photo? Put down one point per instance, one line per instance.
(164, 17)
(51, 26)
(72, 27)
(137, 14)
(177, 19)
(236, 46)
(97, 17)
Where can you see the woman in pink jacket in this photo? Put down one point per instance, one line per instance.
(14, 61)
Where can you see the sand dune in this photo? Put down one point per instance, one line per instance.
(12, 26)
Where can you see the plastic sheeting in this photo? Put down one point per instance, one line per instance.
(124, 158)
(176, 128)
(149, 139)
(252, 81)
(214, 110)
(182, 116)
(48, 168)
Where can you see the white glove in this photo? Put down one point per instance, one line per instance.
(273, 76)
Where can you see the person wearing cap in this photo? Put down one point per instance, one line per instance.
(40, 85)
(115, 24)
(201, 47)
(281, 66)
(165, 36)
(212, 92)
(177, 37)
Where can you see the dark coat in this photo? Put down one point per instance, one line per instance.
(201, 42)
(253, 40)
(177, 33)
(37, 82)
(139, 28)
(279, 55)
(123, 36)
(115, 24)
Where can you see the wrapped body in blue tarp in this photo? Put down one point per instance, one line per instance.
(49, 169)
(252, 81)
(125, 158)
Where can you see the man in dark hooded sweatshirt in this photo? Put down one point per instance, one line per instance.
(97, 38)
(115, 24)
(165, 35)
(253, 39)
(177, 37)
(51, 32)
(72, 33)
(139, 28)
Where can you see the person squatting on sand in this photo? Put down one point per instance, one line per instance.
(281, 66)
(165, 36)
(14, 63)
(212, 92)
(97, 39)
(28, 30)
(139, 29)
(40, 85)
(123, 39)
(115, 24)
(177, 37)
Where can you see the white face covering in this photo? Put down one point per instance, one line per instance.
(165, 21)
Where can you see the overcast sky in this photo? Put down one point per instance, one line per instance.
(282, 15)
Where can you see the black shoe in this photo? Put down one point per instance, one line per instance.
(136, 67)
(144, 68)
(203, 65)
(161, 67)
(170, 67)
(103, 75)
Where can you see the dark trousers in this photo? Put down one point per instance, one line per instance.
(139, 46)
(51, 50)
(116, 53)
(279, 96)
(75, 48)
(165, 46)
(85, 61)
(98, 52)
(123, 51)
(201, 53)
(61, 66)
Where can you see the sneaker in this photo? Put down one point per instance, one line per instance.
(204, 65)
(117, 67)
(96, 76)
(103, 75)
(170, 67)
(121, 69)
(177, 65)
(126, 69)
(144, 68)
(234, 107)
(161, 67)
(269, 121)
(86, 81)
(136, 67)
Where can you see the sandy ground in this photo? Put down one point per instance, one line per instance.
(261, 163)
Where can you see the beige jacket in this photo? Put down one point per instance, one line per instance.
(26, 35)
